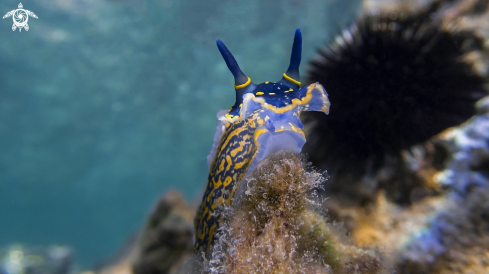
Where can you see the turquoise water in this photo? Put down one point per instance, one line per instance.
(105, 105)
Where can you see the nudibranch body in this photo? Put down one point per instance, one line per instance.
(264, 119)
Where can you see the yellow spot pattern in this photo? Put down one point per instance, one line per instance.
(295, 102)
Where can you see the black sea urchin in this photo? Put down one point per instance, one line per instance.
(394, 80)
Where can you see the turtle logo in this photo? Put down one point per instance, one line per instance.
(20, 17)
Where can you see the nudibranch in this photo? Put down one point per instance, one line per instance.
(263, 120)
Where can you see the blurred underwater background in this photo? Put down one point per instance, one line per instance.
(105, 105)
(108, 112)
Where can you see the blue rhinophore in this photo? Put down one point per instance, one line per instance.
(276, 93)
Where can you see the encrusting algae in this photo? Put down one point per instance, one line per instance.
(275, 226)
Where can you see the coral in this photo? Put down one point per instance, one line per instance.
(397, 78)
(455, 240)
(469, 166)
(464, 225)
(274, 226)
